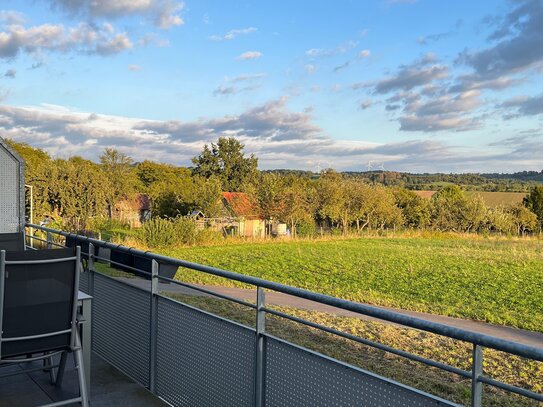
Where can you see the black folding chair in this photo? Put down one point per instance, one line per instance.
(38, 312)
(12, 241)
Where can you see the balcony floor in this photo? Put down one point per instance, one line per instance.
(109, 387)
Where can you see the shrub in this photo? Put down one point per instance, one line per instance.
(185, 230)
(306, 228)
(158, 232)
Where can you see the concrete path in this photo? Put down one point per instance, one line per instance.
(274, 298)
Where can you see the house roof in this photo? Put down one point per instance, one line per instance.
(139, 202)
(240, 204)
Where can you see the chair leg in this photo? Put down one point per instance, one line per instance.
(81, 372)
(61, 368)
(48, 363)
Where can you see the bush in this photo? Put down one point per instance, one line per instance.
(161, 232)
(185, 230)
(306, 229)
(158, 232)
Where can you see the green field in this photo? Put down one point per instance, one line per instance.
(494, 280)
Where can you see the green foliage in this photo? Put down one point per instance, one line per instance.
(122, 175)
(171, 232)
(297, 203)
(227, 161)
(517, 182)
(75, 191)
(268, 195)
(498, 281)
(453, 211)
(158, 232)
(534, 202)
(415, 209)
(306, 229)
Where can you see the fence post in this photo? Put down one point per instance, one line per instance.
(49, 239)
(476, 372)
(260, 352)
(154, 327)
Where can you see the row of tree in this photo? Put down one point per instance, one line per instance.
(78, 191)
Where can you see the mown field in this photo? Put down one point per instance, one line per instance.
(492, 199)
(494, 280)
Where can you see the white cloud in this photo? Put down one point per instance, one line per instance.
(162, 13)
(84, 38)
(279, 137)
(327, 52)
(134, 68)
(246, 77)
(250, 55)
(365, 53)
(230, 35)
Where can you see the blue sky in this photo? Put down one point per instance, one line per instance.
(421, 86)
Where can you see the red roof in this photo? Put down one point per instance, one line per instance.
(240, 204)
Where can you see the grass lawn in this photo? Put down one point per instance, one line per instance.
(494, 280)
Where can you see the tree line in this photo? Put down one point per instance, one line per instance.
(80, 193)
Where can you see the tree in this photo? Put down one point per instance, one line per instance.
(268, 195)
(376, 207)
(40, 172)
(333, 199)
(415, 209)
(124, 181)
(298, 198)
(208, 196)
(454, 211)
(81, 189)
(501, 219)
(534, 202)
(227, 161)
(524, 219)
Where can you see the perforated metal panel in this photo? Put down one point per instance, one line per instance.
(121, 326)
(298, 377)
(11, 189)
(203, 360)
(84, 278)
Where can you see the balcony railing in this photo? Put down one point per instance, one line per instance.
(190, 357)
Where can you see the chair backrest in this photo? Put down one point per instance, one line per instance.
(75, 240)
(38, 297)
(12, 241)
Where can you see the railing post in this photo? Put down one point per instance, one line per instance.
(49, 239)
(154, 325)
(476, 372)
(260, 351)
(90, 262)
(90, 268)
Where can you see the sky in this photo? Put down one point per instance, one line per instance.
(403, 85)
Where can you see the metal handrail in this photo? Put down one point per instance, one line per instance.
(413, 322)
(477, 339)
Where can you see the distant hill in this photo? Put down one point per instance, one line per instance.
(522, 176)
(490, 182)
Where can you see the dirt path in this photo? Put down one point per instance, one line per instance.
(274, 298)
